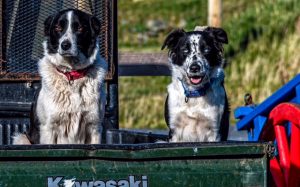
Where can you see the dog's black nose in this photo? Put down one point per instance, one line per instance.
(194, 68)
(66, 45)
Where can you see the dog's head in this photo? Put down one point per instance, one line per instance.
(195, 55)
(71, 34)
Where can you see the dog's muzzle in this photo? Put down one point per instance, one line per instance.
(195, 68)
(66, 45)
(196, 73)
(66, 49)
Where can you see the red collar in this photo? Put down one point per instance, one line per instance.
(74, 74)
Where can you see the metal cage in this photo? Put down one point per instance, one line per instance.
(21, 33)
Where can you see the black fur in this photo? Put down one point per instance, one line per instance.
(167, 116)
(224, 126)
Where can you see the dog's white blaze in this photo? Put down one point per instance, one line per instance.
(194, 39)
(196, 52)
(195, 49)
(69, 30)
(68, 33)
(70, 36)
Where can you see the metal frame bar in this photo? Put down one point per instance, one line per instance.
(112, 109)
(2, 41)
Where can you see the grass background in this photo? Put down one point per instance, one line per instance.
(263, 51)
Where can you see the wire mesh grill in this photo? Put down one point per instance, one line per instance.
(24, 33)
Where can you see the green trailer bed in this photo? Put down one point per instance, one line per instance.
(142, 165)
(124, 158)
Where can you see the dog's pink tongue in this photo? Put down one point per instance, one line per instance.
(196, 80)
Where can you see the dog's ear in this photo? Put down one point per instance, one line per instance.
(95, 25)
(172, 39)
(47, 25)
(219, 34)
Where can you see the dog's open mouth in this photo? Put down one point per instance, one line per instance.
(196, 79)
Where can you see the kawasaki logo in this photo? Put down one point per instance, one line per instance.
(130, 182)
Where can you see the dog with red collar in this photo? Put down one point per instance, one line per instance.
(69, 108)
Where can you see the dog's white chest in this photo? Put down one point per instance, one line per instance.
(70, 112)
(199, 118)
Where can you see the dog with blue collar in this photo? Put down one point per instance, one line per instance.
(197, 109)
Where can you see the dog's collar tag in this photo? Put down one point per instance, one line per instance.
(74, 74)
(186, 99)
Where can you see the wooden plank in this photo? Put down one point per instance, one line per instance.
(215, 13)
(143, 64)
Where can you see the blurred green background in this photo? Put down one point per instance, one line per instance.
(263, 51)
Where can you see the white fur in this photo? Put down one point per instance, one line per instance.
(20, 139)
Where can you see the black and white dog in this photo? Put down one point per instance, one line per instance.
(196, 108)
(70, 105)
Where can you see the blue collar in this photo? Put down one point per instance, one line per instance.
(201, 91)
(195, 93)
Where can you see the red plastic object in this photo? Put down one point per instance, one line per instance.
(289, 157)
(276, 172)
(295, 155)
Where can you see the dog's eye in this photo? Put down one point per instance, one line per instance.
(206, 50)
(80, 29)
(185, 51)
(58, 28)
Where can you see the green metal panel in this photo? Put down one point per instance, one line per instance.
(147, 165)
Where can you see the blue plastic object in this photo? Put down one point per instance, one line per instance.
(243, 111)
(254, 119)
